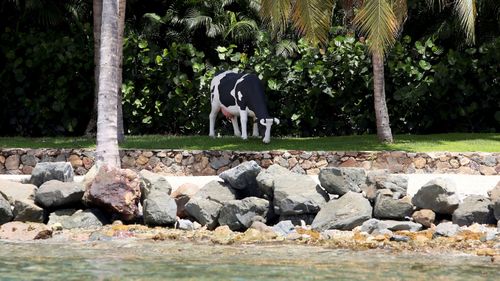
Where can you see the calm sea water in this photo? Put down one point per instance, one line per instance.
(150, 260)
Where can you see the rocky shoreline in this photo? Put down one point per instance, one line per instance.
(351, 208)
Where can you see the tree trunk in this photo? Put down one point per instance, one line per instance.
(121, 29)
(107, 151)
(97, 15)
(381, 115)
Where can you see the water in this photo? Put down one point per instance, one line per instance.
(167, 260)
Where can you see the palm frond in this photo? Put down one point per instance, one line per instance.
(377, 21)
(313, 19)
(400, 9)
(466, 10)
(286, 48)
(441, 3)
(276, 13)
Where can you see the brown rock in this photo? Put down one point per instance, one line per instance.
(265, 163)
(419, 162)
(208, 171)
(12, 162)
(351, 162)
(88, 162)
(178, 158)
(321, 164)
(116, 191)
(128, 162)
(75, 161)
(147, 154)
(2, 159)
(314, 171)
(424, 217)
(454, 163)
(487, 171)
(17, 191)
(21, 231)
(292, 161)
(442, 166)
(27, 170)
(141, 160)
(466, 171)
(306, 165)
(464, 161)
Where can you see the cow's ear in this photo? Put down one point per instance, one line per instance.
(277, 121)
(263, 122)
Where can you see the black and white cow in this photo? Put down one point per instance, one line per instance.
(240, 94)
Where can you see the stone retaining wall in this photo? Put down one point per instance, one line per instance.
(184, 163)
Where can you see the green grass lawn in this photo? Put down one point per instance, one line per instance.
(411, 143)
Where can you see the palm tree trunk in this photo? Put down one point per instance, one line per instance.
(97, 15)
(121, 29)
(107, 151)
(381, 115)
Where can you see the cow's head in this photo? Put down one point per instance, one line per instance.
(266, 128)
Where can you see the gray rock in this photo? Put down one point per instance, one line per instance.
(217, 191)
(296, 194)
(45, 171)
(495, 199)
(447, 229)
(284, 228)
(13, 191)
(345, 213)
(159, 209)
(437, 195)
(239, 214)
(402, 225)
(265, 179)
(185, 224)
(474, 209)
(153, 182)
(56, 193)
(498, 226)
(387, 207)
(243, 177)
(218, 163)
(372, 226)
(400, 238)
(381, 179)
(26, 210)
(342, 180)
(204, 210)
(29, 160)
(5, 210)
(71, 218)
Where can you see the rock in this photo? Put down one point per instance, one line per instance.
(345, 213)
(26, 210)
(239, 214)
(342, 180)
(12, 162)
(5, 211)
(399, 238)
(217, 163)
(159, 209)
(243, 177)
(447, 229)
(437, 195)
(424, 217)
(217, 191)
(474, 209)
(296, 194)
(204, 210)
(29, 160)
(116, 191)
(387, 207)
(153, 182)
(45, 171)
(17, 191)
(495, 200)
(372, 226)
(21, 231)
(381, 179)
(182, 195)
(284, 228)
(71, 218)
(260, 226)
(185, 225)
(54, 193)
(265, 179)
(298, 219)
(394, 225)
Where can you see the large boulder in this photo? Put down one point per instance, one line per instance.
(116, 191)
(342, 180)
(153, 182)
(159, 209)
(5, 210)
(243, 178)
(345, 213)
(447, 229)
(13, 191)
(437, 195)
(71, 218)
(265, 179)
(474, 209)
(239, 214)
(296, 194)
(376, 226)
(21, 231)
(27, 211)
(217, 191)
(381, 179)
(182, 195)
(387, 206)
(424, 217)
(204, 210)
(495, 200)
(54, 194)
(45, 171)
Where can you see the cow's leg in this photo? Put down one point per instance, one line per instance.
(244, 119)
(236, 128)
(255, 132)
(212, 117)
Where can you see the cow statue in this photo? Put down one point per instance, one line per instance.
(240, 94)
